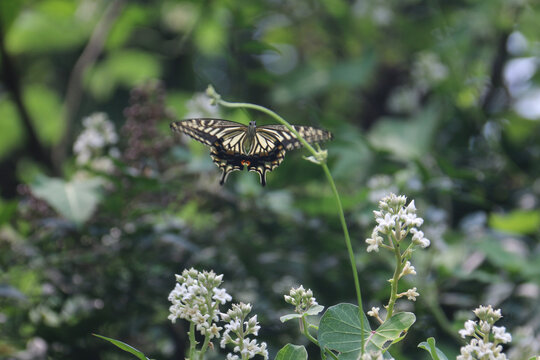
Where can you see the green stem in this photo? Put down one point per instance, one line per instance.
(204, 347)
(306, 331)
(395, 280)
(349, 248)
(192, 341)
(334, 190)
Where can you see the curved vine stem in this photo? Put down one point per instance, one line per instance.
(217, 99)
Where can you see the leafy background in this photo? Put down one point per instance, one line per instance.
(437, 100)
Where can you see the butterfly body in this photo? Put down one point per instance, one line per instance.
(234, 146)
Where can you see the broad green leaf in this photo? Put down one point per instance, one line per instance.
(340, 330)
(430, 347)
(132, 16)
(45, 108)
(130, 349)
(498, 256)
(209, 36)
(288, 317)
(76, 200)
(517, 221)
(313, 79)
(122, 68)
(49, 26)
(394, 135)
(292, 352)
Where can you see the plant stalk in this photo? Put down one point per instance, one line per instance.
(395, 280)
(330, 179)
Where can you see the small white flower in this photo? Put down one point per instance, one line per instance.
(501, 335)
(419, 239)
(485, 327)
(386, 223)
(221, 295)
(374, 312)
(408, 269)
(374, 243)
(470, 327)
(412, 294)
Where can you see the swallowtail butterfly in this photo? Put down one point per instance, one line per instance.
(234, 146)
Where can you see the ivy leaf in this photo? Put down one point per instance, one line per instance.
(75, 200)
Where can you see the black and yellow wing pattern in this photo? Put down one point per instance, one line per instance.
(234, 146)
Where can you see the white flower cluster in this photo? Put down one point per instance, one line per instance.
(301, 298)
(99, 133)
(196, 298)
(481, 346)
(237, 330)
(396, 221)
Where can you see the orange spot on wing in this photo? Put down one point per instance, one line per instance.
(245, 162)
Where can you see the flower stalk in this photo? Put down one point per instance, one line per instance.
(319, 157)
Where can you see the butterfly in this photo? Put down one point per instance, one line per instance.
(234, 146)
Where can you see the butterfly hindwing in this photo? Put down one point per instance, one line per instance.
(260, 163)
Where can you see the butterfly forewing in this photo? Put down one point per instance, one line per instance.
(207, 131)
(232, 148)
(288, 138)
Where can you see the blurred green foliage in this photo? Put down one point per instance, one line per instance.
(437, 100)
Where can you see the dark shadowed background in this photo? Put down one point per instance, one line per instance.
(101, 205)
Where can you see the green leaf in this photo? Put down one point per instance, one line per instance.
(392, 329)
(394, 134)
(517, 221)
(339, 330)
(49, 26)
(288, 317)
(75, 200)
(130, 349)
(430, 347)
(292, 352)
(45, 108)
(313, 79)
(126, 68)
(500, 257)
(314, 310)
